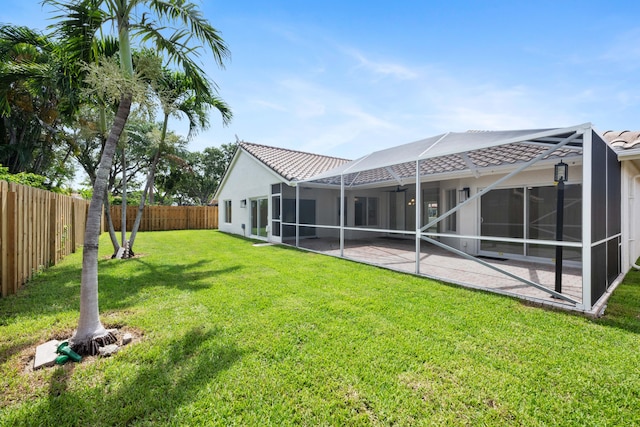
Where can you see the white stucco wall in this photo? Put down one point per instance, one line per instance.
(247, 179)
(630, 199)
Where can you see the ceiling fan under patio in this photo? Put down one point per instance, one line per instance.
(398, 189)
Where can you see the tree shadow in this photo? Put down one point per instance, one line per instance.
(146, 391)
(58, 289)
(118, 294)
(48, 292)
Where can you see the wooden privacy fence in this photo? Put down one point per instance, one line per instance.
(162, 218)
(37, 229)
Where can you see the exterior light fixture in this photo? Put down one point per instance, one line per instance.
(464, 194)
(412, 202)
(561, 172)
(243, 203)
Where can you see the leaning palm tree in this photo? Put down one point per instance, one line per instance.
(178, 96)
(147, 27)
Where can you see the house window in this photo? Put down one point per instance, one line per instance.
(366, 211)
(452, 201)
(227, 211)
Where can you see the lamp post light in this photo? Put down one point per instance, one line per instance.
(560, 175)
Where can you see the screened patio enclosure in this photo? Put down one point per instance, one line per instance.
(482, 203)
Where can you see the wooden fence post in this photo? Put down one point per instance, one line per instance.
(4, 215)
(53, 231)
(12, 235)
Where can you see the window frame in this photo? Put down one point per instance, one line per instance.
(451, 200)
(228, 211)
(370, 211)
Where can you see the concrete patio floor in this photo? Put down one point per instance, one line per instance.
(399, 254)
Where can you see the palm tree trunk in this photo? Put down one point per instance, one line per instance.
(148, 186)
(112, 230)
(102, 122)
(90, 333)
(123, 211)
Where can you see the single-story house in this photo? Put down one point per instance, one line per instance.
(488, 200)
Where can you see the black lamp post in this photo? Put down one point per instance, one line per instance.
(560, 175)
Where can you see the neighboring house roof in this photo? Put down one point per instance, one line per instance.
(622, 140)
(292, 165)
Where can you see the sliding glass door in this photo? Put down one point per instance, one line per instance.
(502, 215)
(530, 212)
(259, 217)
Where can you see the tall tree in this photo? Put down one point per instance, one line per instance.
(32, 104)
(193, 178)
(178, 96)
(146, 27)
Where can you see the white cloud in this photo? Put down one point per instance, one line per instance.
(382, 68)
(268, 105)
(386, 103)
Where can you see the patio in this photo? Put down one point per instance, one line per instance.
(399, 254)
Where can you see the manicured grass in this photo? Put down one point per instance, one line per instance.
(240, 335)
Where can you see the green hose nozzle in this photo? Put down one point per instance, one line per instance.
(65, 350)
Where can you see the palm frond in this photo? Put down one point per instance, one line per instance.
(188, 14)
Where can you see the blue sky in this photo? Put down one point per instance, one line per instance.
(345, 78)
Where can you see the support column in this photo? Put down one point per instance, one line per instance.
(418, 216)
(297, 215)
(587, 156)
(342, 218)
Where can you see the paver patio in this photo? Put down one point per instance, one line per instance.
(399, 254)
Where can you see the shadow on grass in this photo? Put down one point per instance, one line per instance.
(623, 308)
(147, 391)
(117, 294)
(50, 291)
(9, 349)
(58, 289)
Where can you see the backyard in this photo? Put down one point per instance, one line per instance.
(228, 333)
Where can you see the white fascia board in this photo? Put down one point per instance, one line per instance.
(633, 154)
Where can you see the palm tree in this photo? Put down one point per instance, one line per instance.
(178, 95)
(31, 103)
(176, 46)
(81, 42)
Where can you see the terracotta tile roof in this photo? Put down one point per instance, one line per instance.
(622, 140)
(292, 165)
(477, 159)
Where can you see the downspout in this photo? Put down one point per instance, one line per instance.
(632, 226)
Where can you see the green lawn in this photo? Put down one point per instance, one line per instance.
(234, 334)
